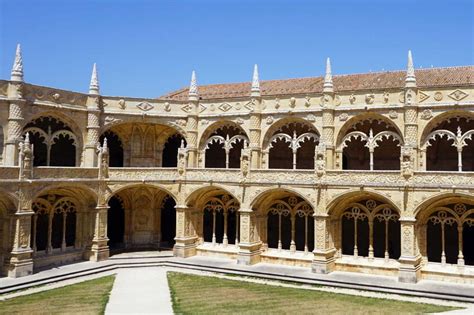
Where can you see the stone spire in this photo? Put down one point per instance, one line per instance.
(193, 88)
(410, 80)
(17, 70)
(94, 85)
(328, 86)
(255, 90)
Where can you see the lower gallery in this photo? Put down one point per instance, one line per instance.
(369, 173)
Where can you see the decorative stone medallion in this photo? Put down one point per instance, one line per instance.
(225, 107)
(458, 95)
(144, 106)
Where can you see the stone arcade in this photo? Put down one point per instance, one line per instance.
(370, 173)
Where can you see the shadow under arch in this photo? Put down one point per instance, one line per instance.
(141, 216)
(365, 223)
(217, 217)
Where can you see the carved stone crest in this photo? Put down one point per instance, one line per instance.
(426, 114)
(144, 106)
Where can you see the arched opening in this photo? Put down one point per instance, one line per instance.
(371, 144)
(220, 217)
(170, 150)
(223, 147)
(370, 228)
(6, 208)
(168, 222)
(292, 146)
(54, 222)
(115, 148)
(143, 145)
(447, 230)
(449, 145)
(287, 223)
(1, 144)
(54, 142)
(116, 223)
(141, 217)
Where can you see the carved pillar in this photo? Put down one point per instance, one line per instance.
(328, 133)
(15, 123)
(249, 246)
(192, 134)
(410, 259)
(100, 249)
(255, 135)
(186, 239)
(324, 251)
(410, 98)
(21, 262)
(93, 128)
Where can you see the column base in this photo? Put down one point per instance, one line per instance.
(99, 252)
(409, 270)
(185, 247)
(20, 266)
(249, 254)
(323, 262)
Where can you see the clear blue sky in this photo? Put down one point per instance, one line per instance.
(147, 48)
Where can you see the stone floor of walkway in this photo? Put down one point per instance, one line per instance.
(140, 291)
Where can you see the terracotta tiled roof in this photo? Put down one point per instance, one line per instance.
(433, 77)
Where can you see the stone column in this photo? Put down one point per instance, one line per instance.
(328, 135)
(100, 249)
(255, 135)
(93, 128)
(21, 262)
(15, 124)
(186, 239)
(324, 251)
(249, 245)
(192, 137)
(410, 259)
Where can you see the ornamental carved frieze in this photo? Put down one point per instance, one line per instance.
(458, 95)
(422, 96)
(369, 98)
(144, 106)
(225, 107)
(438, 96)
(352, 99)
(426, 114)
(122, 104)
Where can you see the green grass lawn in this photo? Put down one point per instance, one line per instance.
(88, 297)
(193, 294)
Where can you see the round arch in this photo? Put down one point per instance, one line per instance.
(117, 189)
(445, 228)
(214, 127)
(341, 201)
(141, 216)
(69, 121)
(369, 116)
(436, 120)
(267, 196)
(275, 126)
(216, 219)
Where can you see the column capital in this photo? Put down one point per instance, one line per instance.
(408, 220)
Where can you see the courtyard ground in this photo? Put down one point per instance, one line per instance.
(88, 297)
(193, 294)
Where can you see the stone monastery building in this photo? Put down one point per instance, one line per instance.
(370, 173)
